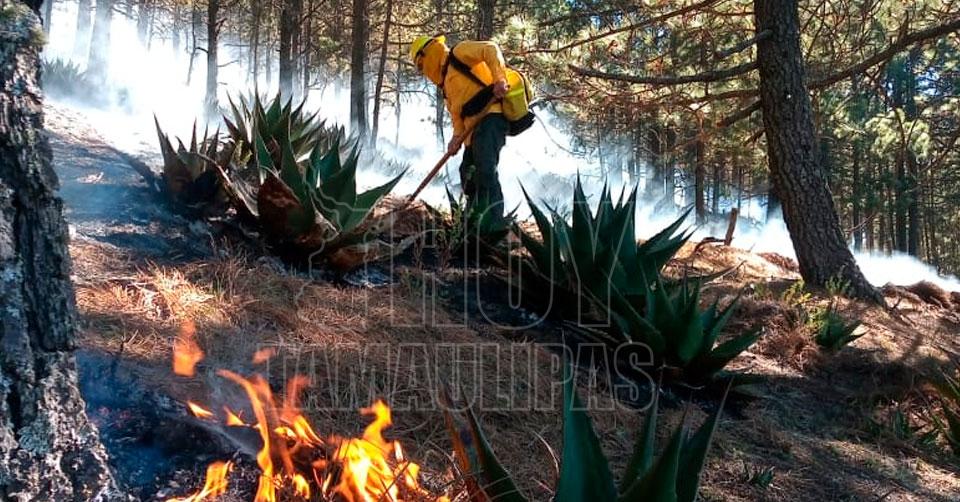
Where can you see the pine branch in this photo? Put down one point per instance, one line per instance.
(708, 76)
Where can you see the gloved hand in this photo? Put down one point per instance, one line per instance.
(500, 89)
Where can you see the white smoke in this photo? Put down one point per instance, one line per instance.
(153, 81)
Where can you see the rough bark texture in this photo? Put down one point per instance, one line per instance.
(290, 13)
(485, 13)
(48, 448)
(798, 179)
(358, 58)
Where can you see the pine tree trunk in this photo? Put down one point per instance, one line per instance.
(290, 14)
(254, 55)
(212, 106)
(81, 39)
(378, 90)
(98, 60)
(485, 16)
(699, 179)
(358, 59)
(49, 451)
(47, 14)
(856, 195)
(143, 20)
(798, 180)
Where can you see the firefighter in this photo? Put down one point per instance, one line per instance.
(472, 76)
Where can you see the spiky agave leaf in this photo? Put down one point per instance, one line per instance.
(190, 174)
(486, 477)
(673, 476)
(584, 472)
(336, 188)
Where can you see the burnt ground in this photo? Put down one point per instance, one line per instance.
(847, 426)
(110, 210)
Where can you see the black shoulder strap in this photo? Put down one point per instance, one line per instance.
(463, 68)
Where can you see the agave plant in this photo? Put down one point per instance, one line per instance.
(476, 234)
(64, 78)
(594, 254)
(585, 474)
(190, 175)
(948, 388)
(595, 260)
(834, 332)
(309, 209)
(274, 121)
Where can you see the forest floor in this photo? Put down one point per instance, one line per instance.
(843, 426)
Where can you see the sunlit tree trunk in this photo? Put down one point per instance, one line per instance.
(801, 184)
(49, 450)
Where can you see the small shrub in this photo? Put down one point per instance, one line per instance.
(833, 332)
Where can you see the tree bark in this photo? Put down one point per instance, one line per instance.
(98, 60)
(485, 17)
(290, 14)
(798, 180)
(143, 20)
(358, 58)
(49, 451)
(47, 14)
(81, 39)
(699, 178)
(254, 54)
(212, 105)
(378, 90)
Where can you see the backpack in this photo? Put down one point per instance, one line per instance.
(515, 104)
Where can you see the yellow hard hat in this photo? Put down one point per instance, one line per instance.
(420, 42)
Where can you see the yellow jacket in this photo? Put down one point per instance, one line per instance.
(487, 63)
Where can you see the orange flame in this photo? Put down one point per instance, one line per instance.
(263, 355)
(233, 420)
(214, 486)
(293, 456)
(199, 411)
(186, 352)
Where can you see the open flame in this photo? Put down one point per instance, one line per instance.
(297, 462)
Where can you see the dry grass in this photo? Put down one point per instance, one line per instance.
(813, 428)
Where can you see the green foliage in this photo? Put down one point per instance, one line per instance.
(474, 231)
(302, 192)
(310, 208)
(948, 423)
(65, 79)
(833, 332)
(274, 122)
(673, 475)
(796, 296)
(596, 256)
(761, 478)
(190, 174)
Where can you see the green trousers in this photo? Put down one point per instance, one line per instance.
(478, 171)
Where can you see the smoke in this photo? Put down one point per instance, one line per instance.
(152, 80)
